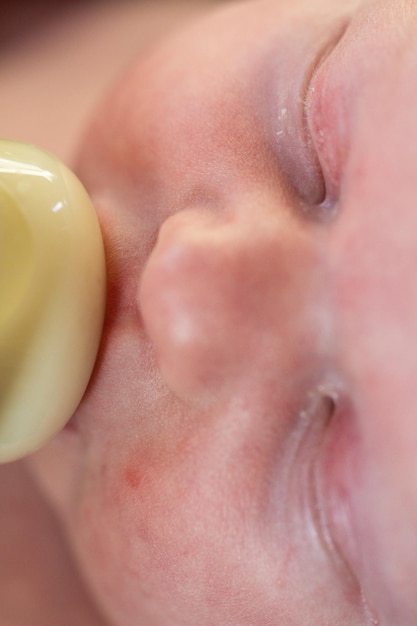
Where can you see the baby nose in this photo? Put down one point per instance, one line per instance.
(226, 299)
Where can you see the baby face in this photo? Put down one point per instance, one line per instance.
(245, 453)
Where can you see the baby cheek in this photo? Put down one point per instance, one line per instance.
(151, 537)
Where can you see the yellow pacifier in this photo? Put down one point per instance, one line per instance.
(52, 296)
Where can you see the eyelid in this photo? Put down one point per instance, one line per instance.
(309, 86)
(323, 54)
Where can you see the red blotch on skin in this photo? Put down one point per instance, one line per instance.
(132, 477)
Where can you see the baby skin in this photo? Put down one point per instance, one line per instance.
(245, 452)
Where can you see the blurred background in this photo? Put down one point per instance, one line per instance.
(58, 57)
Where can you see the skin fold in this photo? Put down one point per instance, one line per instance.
(245, 452)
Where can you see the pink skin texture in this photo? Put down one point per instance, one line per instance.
(246, 452)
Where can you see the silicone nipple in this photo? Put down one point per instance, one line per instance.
(52, 296)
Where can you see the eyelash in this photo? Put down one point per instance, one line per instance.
(315, 166)
(298, 161)
(324, 202)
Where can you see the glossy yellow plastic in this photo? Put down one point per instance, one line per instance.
(52, 296)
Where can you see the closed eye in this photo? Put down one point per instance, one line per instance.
(325, 202)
